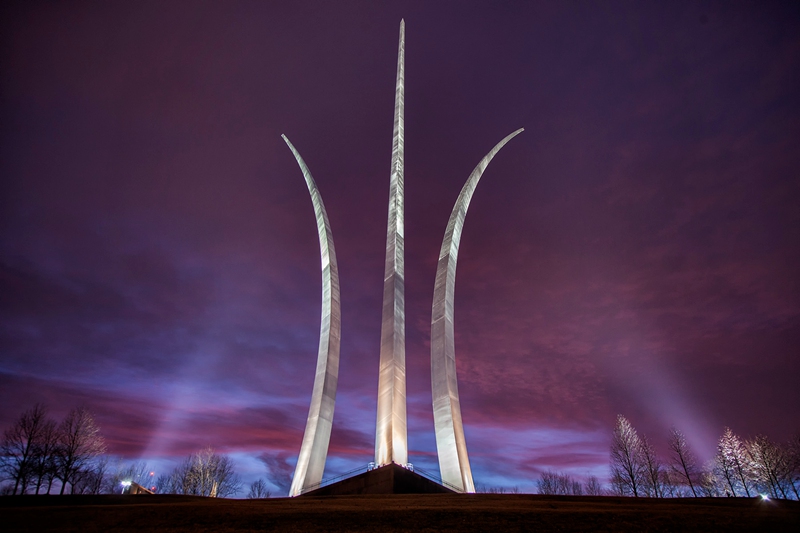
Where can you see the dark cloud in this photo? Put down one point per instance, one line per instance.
(279, 470)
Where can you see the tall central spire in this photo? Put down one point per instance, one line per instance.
(391, 436)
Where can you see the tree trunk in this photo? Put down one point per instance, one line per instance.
(744, 483)
(688, 477)
(794, 488)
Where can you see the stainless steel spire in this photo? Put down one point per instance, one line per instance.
(450, 442)
(314, 450)
(391, 434)
(391, 438)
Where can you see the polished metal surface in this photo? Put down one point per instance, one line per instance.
(391, 434)
(450, 441)
(391, 438)
(314, 450)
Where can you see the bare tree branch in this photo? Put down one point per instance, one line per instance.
(80, 443)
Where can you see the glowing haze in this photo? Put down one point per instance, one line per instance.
(636, 251)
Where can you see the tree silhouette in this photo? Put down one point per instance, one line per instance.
(682, 461)
(80, 443)
(22, 446)
(653, 479)
(258, 489)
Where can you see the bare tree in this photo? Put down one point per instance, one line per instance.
(724, 472)
(709, 484)
(44, 463)
(92, 477)
(558, 483)
(771, 466)
(20, 446)
(682, 460)
(164, 484)
(733, 464)
(258, 489)
(184, 479)
(547, 483)
(593, 487)
(671, 486)
(653, 470)
(794, 465)
(204, 473)
(627, 468)
(80, 444)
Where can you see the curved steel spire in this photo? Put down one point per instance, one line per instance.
(450, 442)
(391, 436)
(314, 450)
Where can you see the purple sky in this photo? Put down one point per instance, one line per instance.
(636, 250)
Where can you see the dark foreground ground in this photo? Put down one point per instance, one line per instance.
(496, 513)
